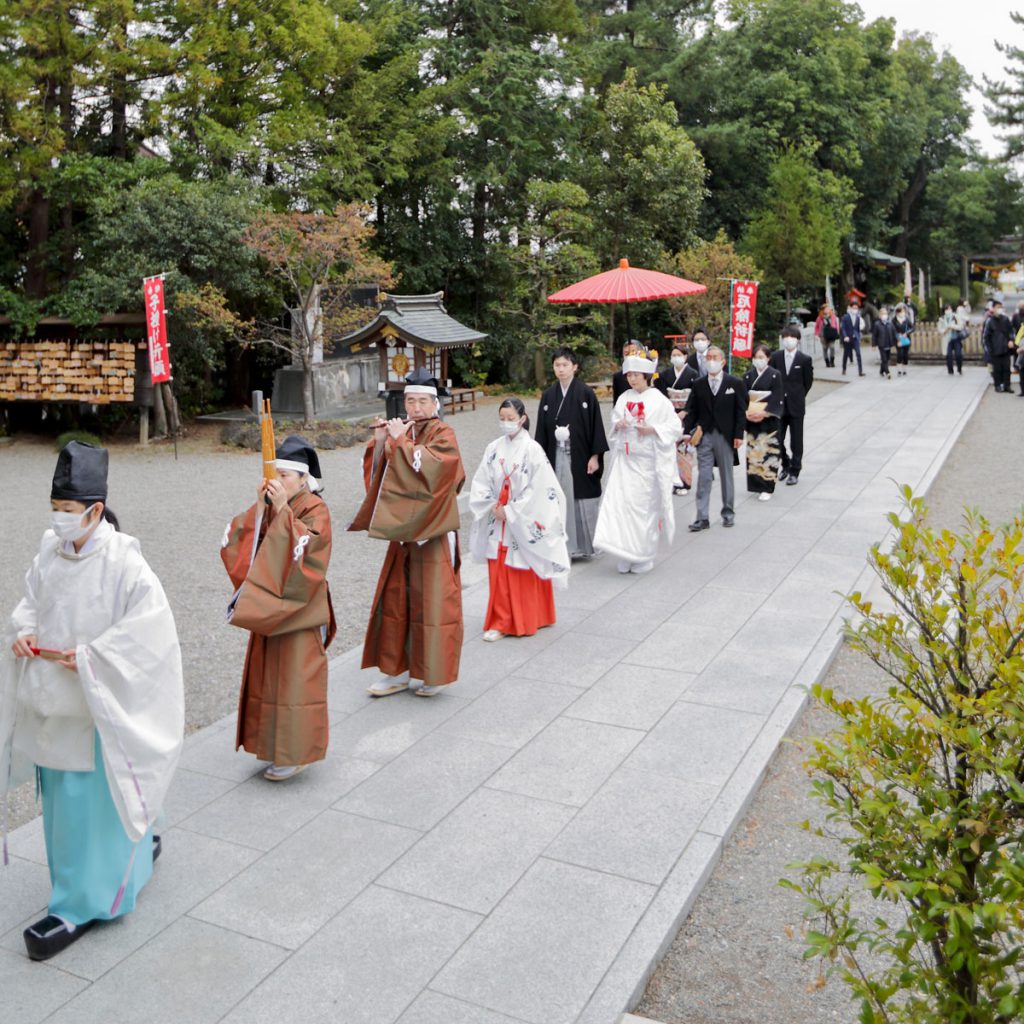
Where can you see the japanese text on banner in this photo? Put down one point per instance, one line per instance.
(156, 330)
(744, 310)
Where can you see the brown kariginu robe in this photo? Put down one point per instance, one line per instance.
(416, 621)
(285, 603)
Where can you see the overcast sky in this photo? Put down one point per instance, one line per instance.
(968, 30)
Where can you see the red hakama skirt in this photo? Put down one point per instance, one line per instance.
(521, 602)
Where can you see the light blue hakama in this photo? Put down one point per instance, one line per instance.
(87, 849)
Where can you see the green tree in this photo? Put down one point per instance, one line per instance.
(797, 235)
(546, 255)
(1006, 96)
(711, 263)
(933, 118)
(69, 73)
(924, 785)
(968, 206)
(189, 230)
(661, 39)
(644, 175)
(315, 259)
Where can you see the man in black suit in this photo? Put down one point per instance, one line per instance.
(849, 332)
(996, 337)
(701, 344)
(718, 405)
(797, 371)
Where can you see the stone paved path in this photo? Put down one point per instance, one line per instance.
(522, 847)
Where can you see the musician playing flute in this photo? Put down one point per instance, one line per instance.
(284, 601)
(413, 473)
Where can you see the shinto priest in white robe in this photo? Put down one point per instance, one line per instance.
(636, 511)
(534, 514)
(107, 604)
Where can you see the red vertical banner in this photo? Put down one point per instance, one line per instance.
(156, 330)
(744, 308)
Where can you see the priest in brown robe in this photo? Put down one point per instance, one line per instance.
(413, 473)
(284, 601)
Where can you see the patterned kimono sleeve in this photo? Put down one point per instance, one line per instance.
(287, 573)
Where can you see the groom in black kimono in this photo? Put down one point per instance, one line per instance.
(571, 431)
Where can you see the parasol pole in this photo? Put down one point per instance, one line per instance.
(629, 326)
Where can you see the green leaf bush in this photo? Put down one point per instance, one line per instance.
(924, 785)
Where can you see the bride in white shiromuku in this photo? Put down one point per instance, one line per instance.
(636, 511)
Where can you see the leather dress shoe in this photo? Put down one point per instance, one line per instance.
(791, 480)
(728, 520)
(699, 524)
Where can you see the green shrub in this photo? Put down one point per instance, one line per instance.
(924, 785)
(63, 440)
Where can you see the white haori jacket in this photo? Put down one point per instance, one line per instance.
(636, 510)
(534, 514)
(107, 604)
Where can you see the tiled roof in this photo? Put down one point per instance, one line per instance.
(419, 319)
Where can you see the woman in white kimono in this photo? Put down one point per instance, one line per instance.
(91, 695)
(518, 528)
(637, 512)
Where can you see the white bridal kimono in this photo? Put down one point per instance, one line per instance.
(534, 515)
(106, 738)
(636, 511)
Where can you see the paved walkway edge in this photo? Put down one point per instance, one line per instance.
(628, 976)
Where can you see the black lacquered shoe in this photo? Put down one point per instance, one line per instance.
(50, 936)
(698, 525)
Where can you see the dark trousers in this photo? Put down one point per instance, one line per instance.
(851, 348)
(793, 459)
(829, 350)
(955, 350)
(902, 355)
(883, 367)
(1001, 371)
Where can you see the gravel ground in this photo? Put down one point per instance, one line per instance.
(178, 510)
(737, 958)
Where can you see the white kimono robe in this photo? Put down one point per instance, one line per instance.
(636, 511)
(534, 515)
(107, 604)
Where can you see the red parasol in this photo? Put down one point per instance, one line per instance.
(626, 284)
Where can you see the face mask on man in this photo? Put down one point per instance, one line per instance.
(69, 525)
(510, 427)
(714, 367)
(678, 362)
(760, 363)
(789, 344)
(701, 346)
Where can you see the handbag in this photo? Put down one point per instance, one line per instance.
(829, 333)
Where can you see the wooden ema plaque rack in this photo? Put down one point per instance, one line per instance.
(68, 370)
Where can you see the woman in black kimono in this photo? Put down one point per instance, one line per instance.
(679, 377)
(571, 432)
(762, 433)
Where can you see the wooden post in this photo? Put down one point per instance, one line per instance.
(143, 425)
(965, 284)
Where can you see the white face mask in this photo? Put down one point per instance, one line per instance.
(790, 343)
(510, 427)
(68, 525)
(678, 362)
(714, 367)
(701, 346)
(760, 363)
